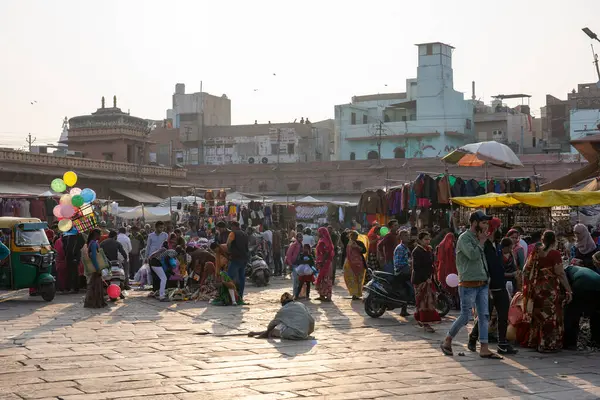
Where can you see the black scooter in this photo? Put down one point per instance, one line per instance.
(385, 292)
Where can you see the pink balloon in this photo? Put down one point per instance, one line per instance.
(57, 211)
(67, 211)
(74, 191)
(452, 280)
(113, 291)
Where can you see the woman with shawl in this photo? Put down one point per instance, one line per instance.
(445, 263)
(421, 279)
(325, 254)
(584, 248)
(94, 296)
(354, 268)
(518, 250)
(373, 237)
(542, 324)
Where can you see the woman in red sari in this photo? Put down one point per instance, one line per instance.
(325, 253)
(422, 274)
(542, 327)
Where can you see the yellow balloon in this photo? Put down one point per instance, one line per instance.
(70, 178)
(65, 225)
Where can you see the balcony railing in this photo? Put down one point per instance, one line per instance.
(75, 164)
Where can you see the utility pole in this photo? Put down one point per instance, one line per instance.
(278, 145)
(379, 139)
(30, 141)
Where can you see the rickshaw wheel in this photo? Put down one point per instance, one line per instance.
(48, 292)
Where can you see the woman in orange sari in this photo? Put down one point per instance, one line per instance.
(542, 326)
(354, 267)
(325, 253)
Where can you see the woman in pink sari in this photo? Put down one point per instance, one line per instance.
(61, 266)
(325, 254)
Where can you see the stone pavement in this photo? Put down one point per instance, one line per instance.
(178, 351)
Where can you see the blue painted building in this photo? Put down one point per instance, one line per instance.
(429, 119)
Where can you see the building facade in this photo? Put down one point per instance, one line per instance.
(583, 123)
(513, 126)
(109, 134)
(429, 119)
(557, 120)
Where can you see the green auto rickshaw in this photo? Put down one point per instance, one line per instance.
(31, 258)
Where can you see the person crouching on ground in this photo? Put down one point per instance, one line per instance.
(162, 261)
(293, 322)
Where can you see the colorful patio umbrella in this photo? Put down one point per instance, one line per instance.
(478, 154)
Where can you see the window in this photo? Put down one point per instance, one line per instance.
(324, 185)
(274, 148)
(364, 119)
(372, 155)
(108, 156)
(290, 148)
(353, 118)
(386, 118)
(404, 118)
(468, 124)
(352, 156)
(399, 152)
(429, 49)
(262, 187)
(293, 187)
(357, 185)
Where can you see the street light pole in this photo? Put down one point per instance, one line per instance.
(593, 36)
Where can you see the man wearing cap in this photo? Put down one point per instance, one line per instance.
(473, 287)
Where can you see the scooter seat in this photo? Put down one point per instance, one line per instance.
(383, 274)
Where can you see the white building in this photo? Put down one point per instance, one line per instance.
(429, 119)
(583, 123)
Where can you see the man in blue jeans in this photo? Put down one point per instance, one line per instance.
(237, 244)
(473, 288)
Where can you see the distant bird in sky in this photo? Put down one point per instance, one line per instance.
(274, 74)
(256, 90)
(35, 101)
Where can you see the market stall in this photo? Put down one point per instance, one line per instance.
(532, 211)
(425, 202)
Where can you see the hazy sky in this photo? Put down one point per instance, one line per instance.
(67, 54)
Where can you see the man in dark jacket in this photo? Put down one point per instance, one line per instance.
(499, 298)
(112, 247)
(72, 246)
(237, 245)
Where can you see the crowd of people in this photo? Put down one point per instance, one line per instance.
(535, 289)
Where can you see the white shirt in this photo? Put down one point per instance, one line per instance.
(308, 239)
(268, 235)
(126, 243)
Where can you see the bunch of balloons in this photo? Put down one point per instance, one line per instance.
(71, 201)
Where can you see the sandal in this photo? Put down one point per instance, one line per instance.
(492, 356)
(445, 350)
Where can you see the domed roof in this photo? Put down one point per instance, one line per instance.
(108, 117)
